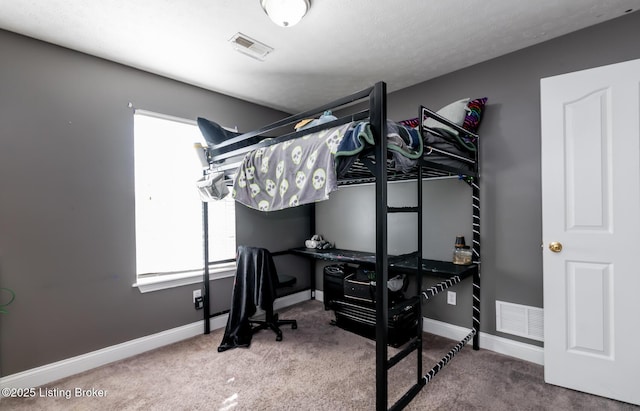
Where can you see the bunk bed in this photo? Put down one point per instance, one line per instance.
(358, 153)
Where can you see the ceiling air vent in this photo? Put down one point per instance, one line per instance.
(252, 48)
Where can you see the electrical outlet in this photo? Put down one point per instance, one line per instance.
(198, 301)
(451, 297)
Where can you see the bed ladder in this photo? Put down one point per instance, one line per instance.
(378, 111)
(415, 344)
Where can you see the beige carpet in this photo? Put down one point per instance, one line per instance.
(316, 367)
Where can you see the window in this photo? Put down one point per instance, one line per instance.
(168, 209)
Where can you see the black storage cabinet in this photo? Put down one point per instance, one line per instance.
(349, 293)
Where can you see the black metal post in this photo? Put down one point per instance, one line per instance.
(312, 262)
(378, 121)
(205, 301)
(419, 277)
(475, 188)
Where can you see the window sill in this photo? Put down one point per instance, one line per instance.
(163, 282)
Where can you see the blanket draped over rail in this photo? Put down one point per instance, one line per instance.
(306, 169)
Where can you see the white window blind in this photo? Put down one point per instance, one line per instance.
(168, 219)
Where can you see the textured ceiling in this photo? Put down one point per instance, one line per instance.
(339, 47)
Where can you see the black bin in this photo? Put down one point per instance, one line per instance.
(333, 283)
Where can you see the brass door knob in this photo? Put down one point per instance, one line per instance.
(555, 246)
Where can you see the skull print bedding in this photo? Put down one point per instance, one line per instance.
(290, 173)
(302, 170)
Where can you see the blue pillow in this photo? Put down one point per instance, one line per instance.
(213, 133)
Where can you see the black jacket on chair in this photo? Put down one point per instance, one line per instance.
(254, 286)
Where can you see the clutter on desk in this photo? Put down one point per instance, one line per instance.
(461, 252)
(318, 242)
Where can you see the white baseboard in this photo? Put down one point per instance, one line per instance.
(522, 351)
(45, 374)
(292, 299)
(51, 372)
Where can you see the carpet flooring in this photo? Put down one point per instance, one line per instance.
(316, 367)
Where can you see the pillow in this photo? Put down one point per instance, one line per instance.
(474, 115)
(410, 123)
(213, 132)
(454, 112)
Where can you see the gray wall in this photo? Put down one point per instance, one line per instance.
(510, 155)
(67, 244)
(66, 189)
(278, 231)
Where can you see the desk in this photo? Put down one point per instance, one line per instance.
(451, 274)
(405, 263)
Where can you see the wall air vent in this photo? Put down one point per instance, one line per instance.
(521, 320)
(252, 48)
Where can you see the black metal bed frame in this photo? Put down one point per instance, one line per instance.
(374, 170)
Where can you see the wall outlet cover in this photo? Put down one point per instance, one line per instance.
(451, 297)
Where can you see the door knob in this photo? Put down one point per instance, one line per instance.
(555, 246)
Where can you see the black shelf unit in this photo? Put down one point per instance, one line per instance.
(373, 168)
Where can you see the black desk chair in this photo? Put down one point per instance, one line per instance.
(255, 286)
(271, 320)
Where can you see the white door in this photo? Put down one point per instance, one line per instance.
(591, 207)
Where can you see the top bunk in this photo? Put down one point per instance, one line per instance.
(304, 157)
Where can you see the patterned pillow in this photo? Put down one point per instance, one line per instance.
(454, 112)
(474, 114)
(410, 123)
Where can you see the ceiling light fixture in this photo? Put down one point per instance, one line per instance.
(285, 13)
